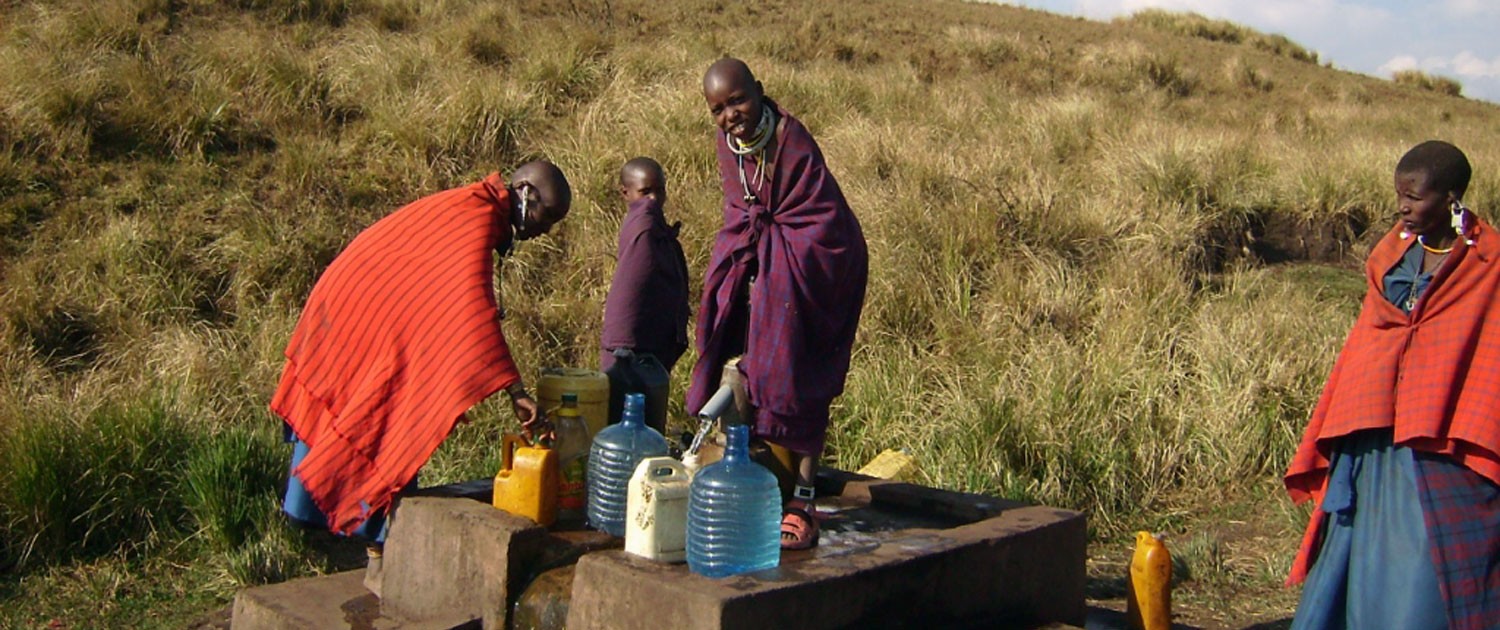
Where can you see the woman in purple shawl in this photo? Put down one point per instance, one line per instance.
(786, 282)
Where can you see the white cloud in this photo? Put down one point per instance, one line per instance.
(1397, 64)
(1469, 8)
(1467, 64)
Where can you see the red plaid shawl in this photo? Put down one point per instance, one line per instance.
(1434, 377)
(398, 338)
(810, 287)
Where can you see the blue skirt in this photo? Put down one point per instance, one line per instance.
(1374, 568)
(298, 504)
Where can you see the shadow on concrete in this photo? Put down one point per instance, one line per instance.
(1106, 619)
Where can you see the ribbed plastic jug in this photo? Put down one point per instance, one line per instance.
(734, 513)
(616, 451)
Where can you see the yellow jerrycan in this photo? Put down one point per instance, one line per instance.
(528, 480)
(656, 510)
(590, 386)
(1148, 602)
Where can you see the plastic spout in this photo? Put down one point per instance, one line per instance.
(721, 401)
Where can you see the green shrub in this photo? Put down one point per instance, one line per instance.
(226, 480)
(277, 552)
(88, 485)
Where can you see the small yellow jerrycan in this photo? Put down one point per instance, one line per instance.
(528, 480)
(1148, 602)
(656, 510)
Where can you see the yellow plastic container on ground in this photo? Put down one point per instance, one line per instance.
(592, 387)
(893, 464)
(527, 482)
(1148, 602)
(656, 510)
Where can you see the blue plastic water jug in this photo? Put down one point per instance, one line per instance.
(616, 451)
(734, 513)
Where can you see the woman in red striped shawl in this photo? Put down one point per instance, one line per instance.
(1402, 454)
(399, 337)
(786, 281)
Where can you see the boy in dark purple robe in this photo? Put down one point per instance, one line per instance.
(786, 282)
(647, 308)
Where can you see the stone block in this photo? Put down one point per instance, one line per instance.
(330, 601)
(1024, 565)
(446, 557)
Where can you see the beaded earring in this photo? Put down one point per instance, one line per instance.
(1459, 221)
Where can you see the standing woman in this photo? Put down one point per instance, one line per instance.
(1402, 453)
(786, 282)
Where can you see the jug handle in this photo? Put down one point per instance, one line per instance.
(508, 450)
(662, 471)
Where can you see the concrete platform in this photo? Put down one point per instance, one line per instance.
(892, 555)
(1020, 568)
(330, 601)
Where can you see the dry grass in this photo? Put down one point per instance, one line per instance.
(1431, 83)
(1069, 222)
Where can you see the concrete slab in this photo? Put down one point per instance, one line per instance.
(329, 601)
(446, 557)
(892, 555)
(977, 562)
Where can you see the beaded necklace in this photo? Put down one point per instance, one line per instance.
(1432, 250)
(757, 146)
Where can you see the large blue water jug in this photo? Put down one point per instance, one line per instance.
(616, 451)
(734, 513)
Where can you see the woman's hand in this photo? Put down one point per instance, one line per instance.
(533, 419)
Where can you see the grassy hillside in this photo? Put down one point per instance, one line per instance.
(1079, 236)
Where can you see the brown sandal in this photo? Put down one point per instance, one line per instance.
(799, 529)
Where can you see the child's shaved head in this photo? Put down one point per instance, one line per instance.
(728, 71)
(641, 167)
(1446, 167)
(643, 177)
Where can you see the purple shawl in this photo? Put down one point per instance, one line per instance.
(811, 264)
(647, 307)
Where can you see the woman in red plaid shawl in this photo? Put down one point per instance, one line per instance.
(1402, 453)
(399, 337)
(786, 282)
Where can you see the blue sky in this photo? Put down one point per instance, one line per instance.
(1459, 39)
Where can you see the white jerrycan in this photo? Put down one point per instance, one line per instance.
(656, 510)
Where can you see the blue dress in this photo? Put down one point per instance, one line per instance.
(1374, 567)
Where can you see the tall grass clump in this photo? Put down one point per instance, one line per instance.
(1237, 71)
(225, 480)
(1428, 82)
(86, 485)
(1195, 25)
